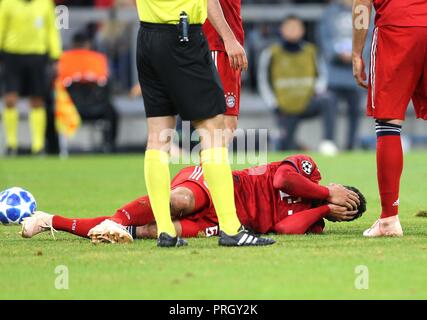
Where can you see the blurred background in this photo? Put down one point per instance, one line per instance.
(97, 71)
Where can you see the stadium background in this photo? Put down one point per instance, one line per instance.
(112, 26)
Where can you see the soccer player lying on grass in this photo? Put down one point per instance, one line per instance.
(282, 197)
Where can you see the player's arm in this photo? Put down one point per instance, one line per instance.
(301, 222)
(361, 20)
(289, 180)
(234, 49)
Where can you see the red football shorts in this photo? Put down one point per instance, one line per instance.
(398, 72)
(205, 222)
(230, 81)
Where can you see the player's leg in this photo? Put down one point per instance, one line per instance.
(35, 67)
(231, 124)
(231, 82)
(159, 75)
(290, 125)
(218, 176)
(42, 222)
(217, 171)
(394, 77)
(10, 116)
(185, 199)
(353, 98)
(324, 105)
(38, 124)
(185, 227)
(389, 171)
(157, 176)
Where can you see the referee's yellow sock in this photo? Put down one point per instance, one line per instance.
(37, 128)
(10, 118)
(157, 180)
(217, 173)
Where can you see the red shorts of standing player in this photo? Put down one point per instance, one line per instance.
(231, 82)
(283, 197)
(230, 77)
(397, 75)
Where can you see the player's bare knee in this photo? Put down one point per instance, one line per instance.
(182, 201)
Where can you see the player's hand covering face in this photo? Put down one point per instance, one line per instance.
(339, 214)
(341, 196)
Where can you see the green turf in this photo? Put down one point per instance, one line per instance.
(296, 267)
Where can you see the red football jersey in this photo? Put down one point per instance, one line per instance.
(231, 9)
(401, 13)
(259, 205)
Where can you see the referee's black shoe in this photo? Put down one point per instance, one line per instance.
(243, 238)
(167, 241)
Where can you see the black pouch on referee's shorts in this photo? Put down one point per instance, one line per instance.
(183, 28)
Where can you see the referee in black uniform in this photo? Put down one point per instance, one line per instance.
(177, 76)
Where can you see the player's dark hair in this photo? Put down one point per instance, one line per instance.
(80, 39)
(362, 207)
(291, 17)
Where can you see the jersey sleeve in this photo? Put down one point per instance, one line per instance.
(305, 166)
(307, 221)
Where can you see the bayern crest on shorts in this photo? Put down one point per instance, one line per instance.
(230, 100)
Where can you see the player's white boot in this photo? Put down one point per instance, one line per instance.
(386, 227)
(110, 232)
(39, 222)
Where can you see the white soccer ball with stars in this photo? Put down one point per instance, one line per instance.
(15, 205)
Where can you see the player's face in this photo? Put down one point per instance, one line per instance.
(293, 30)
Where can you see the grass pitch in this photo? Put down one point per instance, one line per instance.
(297, 267)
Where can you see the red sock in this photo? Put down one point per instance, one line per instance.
(389, 166)
(136, 213)
(78, 227)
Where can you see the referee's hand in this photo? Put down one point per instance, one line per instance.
(236, 54)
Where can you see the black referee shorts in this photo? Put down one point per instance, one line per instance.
(177, 78)
(25, 74)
